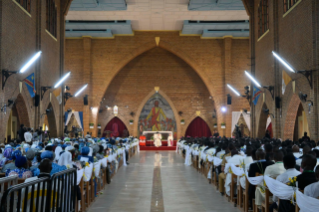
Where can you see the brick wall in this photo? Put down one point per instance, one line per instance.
(21, 37)
(293, 37)
(196, 66)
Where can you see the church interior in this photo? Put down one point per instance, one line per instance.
(159, 105)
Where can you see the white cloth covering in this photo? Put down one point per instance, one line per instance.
(279, 189)
(306, 203)
(88, 170)
(235, 117)
(97, 168)
(312, 190)
(79, 176)
(247, 119)
(254, 180)
(57, 152)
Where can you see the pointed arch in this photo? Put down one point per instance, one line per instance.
(21, 107)
(211, 87)
(117, 128)
(53, 117)
(52, 121)
(198, 128)
(291, 116)
(142, 104)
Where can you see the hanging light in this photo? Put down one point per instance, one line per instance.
(30, 62)
(233, 89)
(283, 62)
(253, 79)
(79, 91)
(62, 80)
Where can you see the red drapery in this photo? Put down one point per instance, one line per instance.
(116, 126)
(198, 128)
(269, 128)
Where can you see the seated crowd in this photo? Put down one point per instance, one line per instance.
(284, 161)
(32, 159)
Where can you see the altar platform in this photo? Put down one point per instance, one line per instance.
(150, 146)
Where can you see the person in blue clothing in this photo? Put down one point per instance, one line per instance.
(55, 167)
(85, 155)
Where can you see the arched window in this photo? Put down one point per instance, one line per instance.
(51, 13)
(26, 4)
(263, 17)
(288, 4)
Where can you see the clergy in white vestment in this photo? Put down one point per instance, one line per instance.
(272, 171)
(235, 159)
(157, 139)
(170, 140)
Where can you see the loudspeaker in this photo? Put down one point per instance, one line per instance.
(37, 100)
(229, 99)
(277, 101)
(85, 100)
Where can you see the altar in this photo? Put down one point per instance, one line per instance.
(146, 140)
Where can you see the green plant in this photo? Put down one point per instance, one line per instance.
(91, 124)
(131, 120)
(215, 124)
(99, 125)
(222, 124)
(182, 120)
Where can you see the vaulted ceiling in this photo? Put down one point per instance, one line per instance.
(223, 17)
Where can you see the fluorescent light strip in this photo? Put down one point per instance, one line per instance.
(82, 89)
(283, 62)
(62, 80)
(30, 62)
(231, 88)
(253, 79)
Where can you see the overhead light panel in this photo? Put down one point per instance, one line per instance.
(283, 62)
(253, 79)
(30, 62)
(62, 80)
(80, 91)
(233, 89)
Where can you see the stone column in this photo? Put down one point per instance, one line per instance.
(228, 80)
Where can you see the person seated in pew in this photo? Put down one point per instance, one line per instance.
(306, 149)
(21, 169)
(222, 175)
(307, 177)
(289, 164)
(272, 171)
(45, 167)
(258, 167)
(312, 190)
(10, 164)
(85, 155)
(55, 167)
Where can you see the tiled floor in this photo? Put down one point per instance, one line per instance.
(183, 188)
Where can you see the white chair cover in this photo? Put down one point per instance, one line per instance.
(88, 170)
(306, 203)
(237, 170)
(254, 180)
(217, 161)
(104, 162)
(97, 168)
(79, 176)
(279, 189)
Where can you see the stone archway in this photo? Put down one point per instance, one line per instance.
(22, 111)
(51, 121)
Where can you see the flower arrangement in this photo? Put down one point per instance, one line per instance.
(215, 125)
(99, 126)
(91, 125)
(182, 121)
(131, 122)
(223, 125)
(292, 182)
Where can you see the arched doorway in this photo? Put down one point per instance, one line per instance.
(301, 124)
(264, 122)
(198, 128)
(115, 128)
(49, 124)
(18, 116)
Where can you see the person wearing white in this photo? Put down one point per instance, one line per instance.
(245, 165)
(157, 139)
(272, 171)
(28, 136)
(66, 159)
(170, 140)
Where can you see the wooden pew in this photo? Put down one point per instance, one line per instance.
(232, 189)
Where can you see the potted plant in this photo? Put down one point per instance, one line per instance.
(99, 126)
(182, 121)
(131, 122)
(215, 125)
(91, 125)
(223, 125)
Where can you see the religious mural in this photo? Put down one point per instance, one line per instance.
(157, 115)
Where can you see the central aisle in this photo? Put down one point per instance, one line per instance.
(160, 182)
